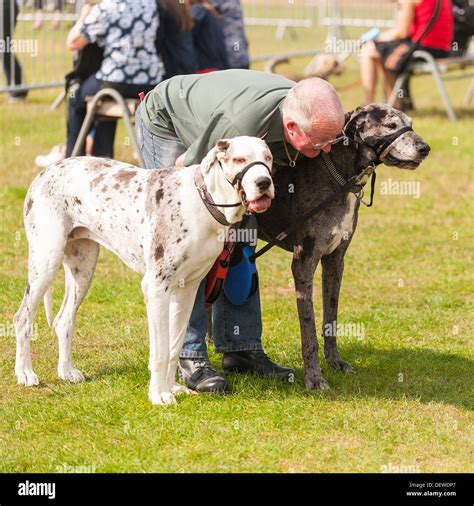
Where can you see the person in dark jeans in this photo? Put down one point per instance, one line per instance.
(11, 65)
(126, 29)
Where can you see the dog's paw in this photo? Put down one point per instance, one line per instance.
(181, 389)
(27, 377)
(163, 398)
(340, 365)
(69, 373)
(316, 383)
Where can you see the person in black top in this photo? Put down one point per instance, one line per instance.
(174, 39)
(208, 37)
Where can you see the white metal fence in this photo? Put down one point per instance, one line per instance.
(349, 19)
(33, 32)
(33, 43)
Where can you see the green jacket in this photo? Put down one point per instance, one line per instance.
(200, 109)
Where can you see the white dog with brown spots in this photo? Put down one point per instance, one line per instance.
(158, 222)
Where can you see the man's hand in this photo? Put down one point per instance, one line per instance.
(180, 160)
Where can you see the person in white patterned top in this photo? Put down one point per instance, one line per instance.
(126, 30)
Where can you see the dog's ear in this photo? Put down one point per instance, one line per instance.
(221, 148)
(218, 152)
(348, 116)
(406, 119)
(351, 123)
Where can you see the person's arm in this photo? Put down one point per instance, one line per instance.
(404, 20)
(180, 160)
(75, 39)
(93, 26)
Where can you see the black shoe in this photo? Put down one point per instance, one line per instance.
(199, 375)
(256, 362)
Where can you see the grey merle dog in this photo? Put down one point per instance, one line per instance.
(375, 134)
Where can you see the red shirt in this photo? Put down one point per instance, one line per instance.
(441, 34)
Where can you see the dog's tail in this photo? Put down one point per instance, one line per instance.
(48, 305)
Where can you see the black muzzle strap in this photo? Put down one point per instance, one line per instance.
(238, 177)
(381, 147)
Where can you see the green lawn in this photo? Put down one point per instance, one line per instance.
(409, 407)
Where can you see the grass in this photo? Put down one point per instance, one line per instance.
(406, 280)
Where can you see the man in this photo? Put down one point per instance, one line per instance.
(179, 121)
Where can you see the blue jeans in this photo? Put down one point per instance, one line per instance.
(234, 328)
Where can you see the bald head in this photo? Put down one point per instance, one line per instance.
(314, 104)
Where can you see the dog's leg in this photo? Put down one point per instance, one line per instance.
(43, 261)
(303, 267)
(157, 300)
(333, 267)
(181, 306)
(80, 258)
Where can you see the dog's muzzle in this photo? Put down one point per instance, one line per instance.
(382, 147)
(262, 203)
(239, 176)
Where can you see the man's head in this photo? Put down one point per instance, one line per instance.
(312, 116)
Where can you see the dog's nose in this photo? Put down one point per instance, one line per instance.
(424, 149)
(263, 183)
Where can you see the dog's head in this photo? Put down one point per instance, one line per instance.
(251, 181)
(326, 65)
(387, 131)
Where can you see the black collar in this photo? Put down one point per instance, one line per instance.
(206, 197)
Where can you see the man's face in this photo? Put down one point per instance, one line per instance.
(310, 144)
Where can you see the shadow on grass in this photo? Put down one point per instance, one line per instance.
(424, 375)
(421, 374)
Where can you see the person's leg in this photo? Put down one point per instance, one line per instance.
(11, 64)
(389, 79)
(77, 111)
(194, 365)
(368, 70)
(104, 137)
(237, 330)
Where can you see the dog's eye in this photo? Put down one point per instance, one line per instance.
(240, 160)
(392, 126)
(268, 158)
